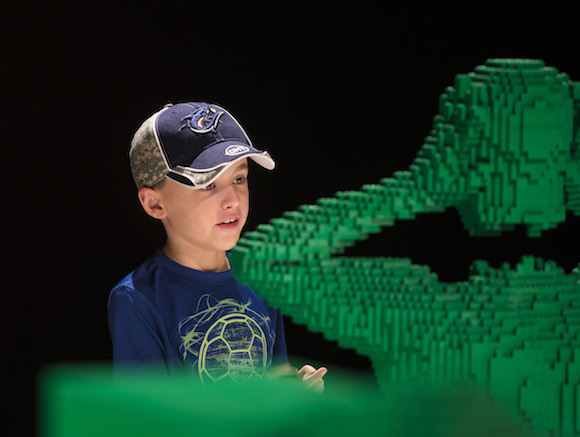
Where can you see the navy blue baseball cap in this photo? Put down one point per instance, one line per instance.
(192, 143)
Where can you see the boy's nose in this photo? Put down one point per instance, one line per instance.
(231, 197)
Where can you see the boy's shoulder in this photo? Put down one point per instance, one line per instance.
(140, 279)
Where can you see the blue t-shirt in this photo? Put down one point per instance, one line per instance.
(170, 318)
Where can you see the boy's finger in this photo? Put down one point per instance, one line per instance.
(306, 370)
(318, 386)
(316, 374)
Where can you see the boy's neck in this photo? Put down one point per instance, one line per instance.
(210, 263)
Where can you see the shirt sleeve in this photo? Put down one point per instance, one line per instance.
(135, 332)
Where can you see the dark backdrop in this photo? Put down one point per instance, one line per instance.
(340, 95)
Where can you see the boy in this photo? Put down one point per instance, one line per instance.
(183, 308)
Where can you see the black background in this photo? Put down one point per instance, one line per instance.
(340, 95)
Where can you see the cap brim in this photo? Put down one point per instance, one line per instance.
(228, 151)
(212, 162)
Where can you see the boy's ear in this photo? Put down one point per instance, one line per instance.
(151, 202)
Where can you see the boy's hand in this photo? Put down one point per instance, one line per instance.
(311, 377)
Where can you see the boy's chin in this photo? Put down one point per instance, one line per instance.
(230, 245)
(227, 242)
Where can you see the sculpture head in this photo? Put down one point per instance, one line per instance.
(502, 147)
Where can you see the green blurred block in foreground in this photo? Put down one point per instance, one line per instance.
(88, 401)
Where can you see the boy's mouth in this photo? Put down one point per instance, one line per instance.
(229, 223)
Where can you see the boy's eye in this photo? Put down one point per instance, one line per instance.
(238, 181)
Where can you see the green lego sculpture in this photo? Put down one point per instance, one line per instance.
(504, 150)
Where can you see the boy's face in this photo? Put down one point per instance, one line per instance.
(207, 221)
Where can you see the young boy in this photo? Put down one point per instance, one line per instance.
(182, 309)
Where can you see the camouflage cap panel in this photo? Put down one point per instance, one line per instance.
(147, 163)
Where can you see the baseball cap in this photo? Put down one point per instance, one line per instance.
(192, 143)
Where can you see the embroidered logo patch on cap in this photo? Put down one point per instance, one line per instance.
(203, 120)
(236, 150)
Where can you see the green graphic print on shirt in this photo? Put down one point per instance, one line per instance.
(226, 339)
